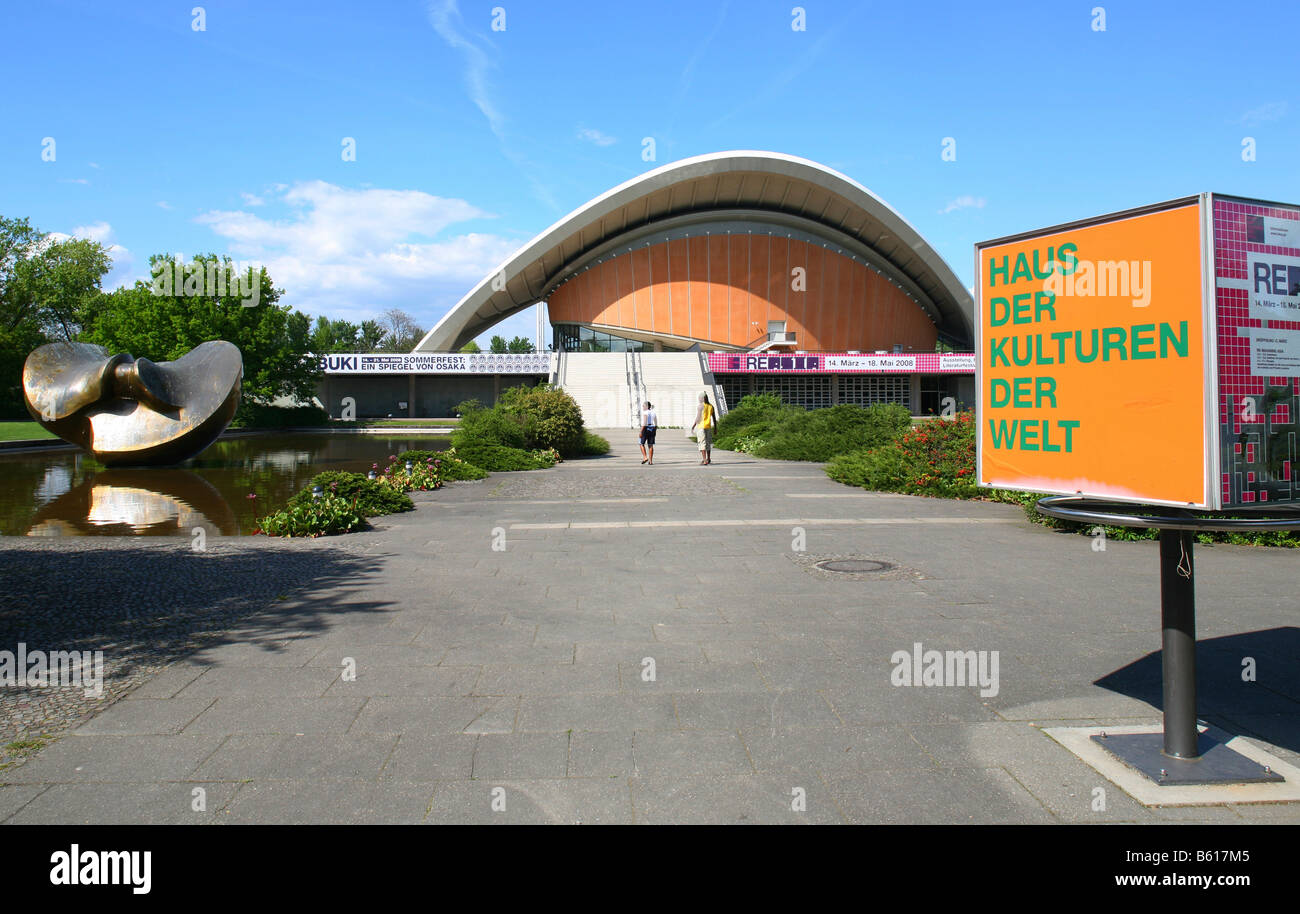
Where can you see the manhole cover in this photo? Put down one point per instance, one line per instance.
(854, 566)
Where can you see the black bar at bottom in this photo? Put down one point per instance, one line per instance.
(1178, 654)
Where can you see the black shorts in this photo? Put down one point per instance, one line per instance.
(648, 436)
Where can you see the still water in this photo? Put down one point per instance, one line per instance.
(68, 493)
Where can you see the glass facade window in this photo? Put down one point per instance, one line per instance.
(816, 391)
(576, 338)
(934, 390)
(864, 390)
(811, 391)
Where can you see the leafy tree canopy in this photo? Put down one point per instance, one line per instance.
(275, 340)
(46, 286)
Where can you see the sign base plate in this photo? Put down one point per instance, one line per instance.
(1217, 764)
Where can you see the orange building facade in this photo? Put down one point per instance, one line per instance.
(730, 288)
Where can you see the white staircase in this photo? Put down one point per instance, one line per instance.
(611, 386)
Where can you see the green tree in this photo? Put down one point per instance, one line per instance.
(275, 340)
(334, 336)
(370, 336)
(520, 344)
(471, 346)
(499, 345)
(46, 287)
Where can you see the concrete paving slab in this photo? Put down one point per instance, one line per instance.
(336, 802)
(251, 757)
(157, 803)
(973, 796)
(742, 800)
(146, 716)
(617, 713)
(113, 758)
(570, 801)
(287, 716)
(423, 758)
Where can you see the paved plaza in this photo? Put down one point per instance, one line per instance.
(606, 642)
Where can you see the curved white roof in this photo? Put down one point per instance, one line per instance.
(767, 185)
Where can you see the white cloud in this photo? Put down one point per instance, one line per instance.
(592, 135)
(74, 180)
(480, 57)
(965, 201)
(352, 253)
(163, 204)
(1269, 111)
(252, 199)
(444, 15)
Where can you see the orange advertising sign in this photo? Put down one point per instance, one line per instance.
(1093, 369)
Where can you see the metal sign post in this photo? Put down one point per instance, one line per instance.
(1181, 755)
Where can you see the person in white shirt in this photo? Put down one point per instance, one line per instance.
(649, 425)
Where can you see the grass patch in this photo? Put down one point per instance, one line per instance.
(21, 431)
(395, 423)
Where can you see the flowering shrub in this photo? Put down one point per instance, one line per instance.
(451, 467)
(424, 476)
(935, 457)
(372, 497)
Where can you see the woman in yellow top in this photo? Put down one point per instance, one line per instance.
(706, 418)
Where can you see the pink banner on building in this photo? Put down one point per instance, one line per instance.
(844, 363)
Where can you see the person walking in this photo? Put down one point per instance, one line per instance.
(706, 418)
(649, 425)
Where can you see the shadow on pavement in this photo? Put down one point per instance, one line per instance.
(1267, 708)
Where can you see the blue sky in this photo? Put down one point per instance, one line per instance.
(470, 140)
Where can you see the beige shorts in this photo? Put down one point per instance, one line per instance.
(704, 437)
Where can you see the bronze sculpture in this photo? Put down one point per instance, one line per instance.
(129, 411)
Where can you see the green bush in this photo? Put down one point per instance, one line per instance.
(764, 426)
(750, 409)
(755, 416)
(371, 497)
(593, 445)
(549, 417)
(453, 468)
(936, 458)
(881, 469)
(329, 514)
(497, 459)
(256, 415)
(489, 426)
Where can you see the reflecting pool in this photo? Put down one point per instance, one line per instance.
(68, 493)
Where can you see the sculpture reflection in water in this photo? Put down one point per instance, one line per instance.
(129, 411)
(137, 501)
